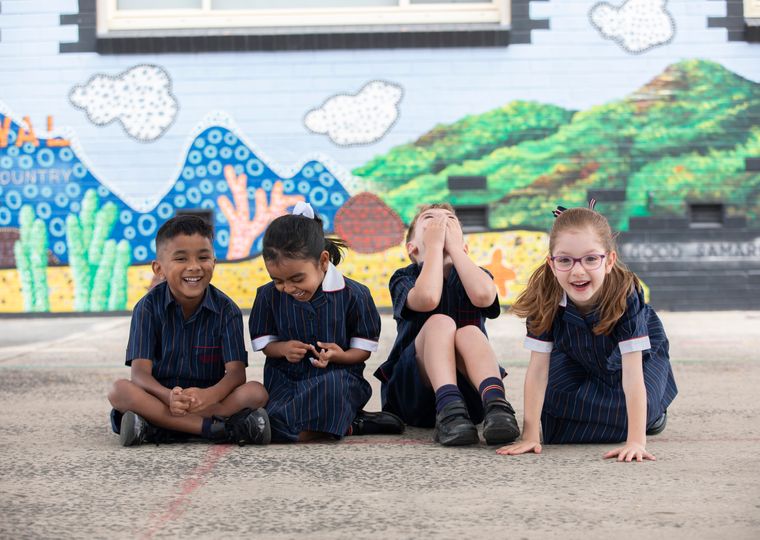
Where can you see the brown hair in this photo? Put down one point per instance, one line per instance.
(539, 301)
(424, 208)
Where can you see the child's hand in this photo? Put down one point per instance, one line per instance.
(328, 352)
(454, 237)
(520, 447)
(179, 403)
(629, 452)
(434, 237)
(199, 399)
(295, 350)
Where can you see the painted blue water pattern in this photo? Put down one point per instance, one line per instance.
(54, 181)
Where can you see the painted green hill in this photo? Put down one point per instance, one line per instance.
(682, 137)
(470, 138)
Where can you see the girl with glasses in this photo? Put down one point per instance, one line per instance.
(599, 369)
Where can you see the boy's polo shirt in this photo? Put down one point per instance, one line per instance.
(189, 352)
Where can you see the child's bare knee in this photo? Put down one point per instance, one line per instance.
(441, 323)
(255, 394)
(119, 394)
(469, 336)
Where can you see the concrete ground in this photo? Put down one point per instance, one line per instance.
(64, 475)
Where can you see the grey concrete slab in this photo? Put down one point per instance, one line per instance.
(63, 474)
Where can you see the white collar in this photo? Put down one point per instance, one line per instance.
(563, 302)
(333, 281)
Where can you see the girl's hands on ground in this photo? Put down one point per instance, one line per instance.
(328, 352)
(629, 452)
(520, 447)
(179, 403)
(295, 350)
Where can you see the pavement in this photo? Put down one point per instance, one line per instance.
(64, 475)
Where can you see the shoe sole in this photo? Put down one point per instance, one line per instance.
(267, 435)
(659, 427)
(500, 435)
(127, 435)
(465, 438)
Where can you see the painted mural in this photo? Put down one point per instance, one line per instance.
(590, 97)
(363, 118)
(683, 136)
(70, 244)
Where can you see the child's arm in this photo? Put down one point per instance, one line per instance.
(201, 398)
(636, 404)
(141, 371)
(478, 285)
(426, 293)
(535, 387)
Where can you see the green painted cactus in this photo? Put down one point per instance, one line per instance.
(30, 252)
(99, 265)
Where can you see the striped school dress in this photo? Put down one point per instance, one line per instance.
(584, 401)
(303, 397)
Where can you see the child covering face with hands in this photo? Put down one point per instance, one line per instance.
(442, 372)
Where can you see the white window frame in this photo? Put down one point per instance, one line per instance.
(752, 9)
(110, 20)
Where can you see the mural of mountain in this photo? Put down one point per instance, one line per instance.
(220, 173)
(682, 137)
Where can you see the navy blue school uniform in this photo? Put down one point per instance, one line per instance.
(584, 401)
(403, 391)
(186, 353)
(303, 397)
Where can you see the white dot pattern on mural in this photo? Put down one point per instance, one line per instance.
(363, 118)
(637, 25)
(56, 183)
(140, 98)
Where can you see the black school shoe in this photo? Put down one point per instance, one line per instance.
(500, 425)
(453, 426)
(243, 427)
(659, 425)
(376, 423)
(135, 430)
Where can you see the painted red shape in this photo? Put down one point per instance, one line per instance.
(368, 225)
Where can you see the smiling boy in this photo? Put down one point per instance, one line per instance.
(186, 353)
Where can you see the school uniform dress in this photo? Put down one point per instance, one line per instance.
(584, 401)
(403, 391)
(303, 397)
(186, 353)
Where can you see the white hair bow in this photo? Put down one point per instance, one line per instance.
(303, 209)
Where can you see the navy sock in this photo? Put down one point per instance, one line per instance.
(206, 429)
(491, 388)
(446, 394)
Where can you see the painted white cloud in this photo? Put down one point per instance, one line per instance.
(637, 25)
(140, 98)
(363, 118)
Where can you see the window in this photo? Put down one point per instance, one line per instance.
(705, 215)
(472, 218)
(463, 183)
(752, 12)
(177, 17)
